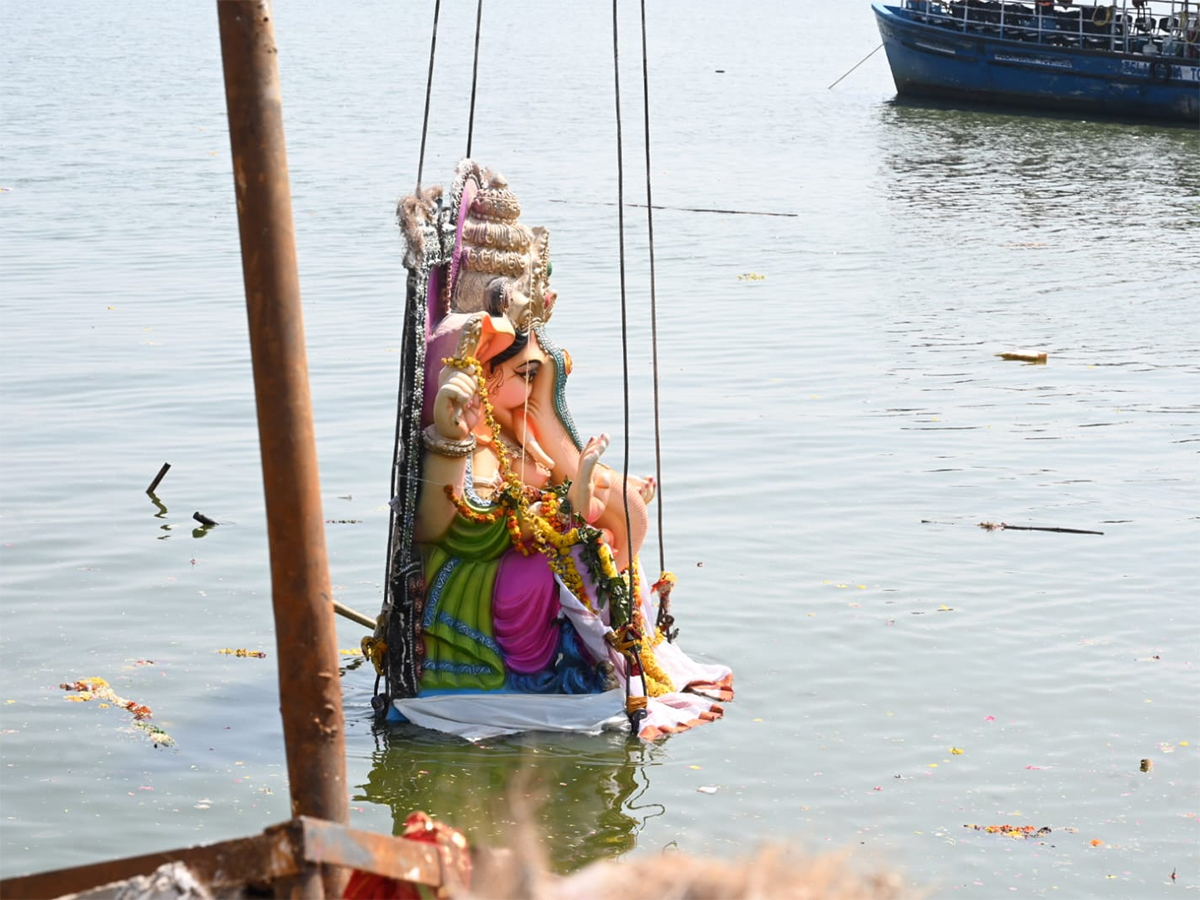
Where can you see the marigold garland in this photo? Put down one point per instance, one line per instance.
(554, 533)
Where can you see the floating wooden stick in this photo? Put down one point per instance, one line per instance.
(204, 520)
(697, 209)
(354, 615)
(1001, 526)
(1035, 358)
(157, 478)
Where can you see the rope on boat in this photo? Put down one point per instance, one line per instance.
(474, 78)
(855, 66)
(437, 8)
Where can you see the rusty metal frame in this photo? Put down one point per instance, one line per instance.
(274, 860)
(311, 855)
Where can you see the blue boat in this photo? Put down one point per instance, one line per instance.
(1135, 59)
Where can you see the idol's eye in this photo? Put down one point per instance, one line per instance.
(529, 370)
(549, 269)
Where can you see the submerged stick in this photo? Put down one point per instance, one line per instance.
(157, 478)
(697, 209)
(1001, 526)
(204, 520)
(354, 615)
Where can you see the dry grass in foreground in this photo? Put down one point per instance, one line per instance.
(773, 874)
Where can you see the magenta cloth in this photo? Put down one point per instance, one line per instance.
(525, 612)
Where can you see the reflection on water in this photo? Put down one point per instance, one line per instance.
(586, 794)
(1116, 176)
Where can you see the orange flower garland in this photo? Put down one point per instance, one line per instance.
(554, 534)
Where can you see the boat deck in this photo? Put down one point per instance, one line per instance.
(1168, 29)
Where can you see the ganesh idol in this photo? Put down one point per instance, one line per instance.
(536, 613)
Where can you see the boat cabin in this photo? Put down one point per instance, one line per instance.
(1168, 28)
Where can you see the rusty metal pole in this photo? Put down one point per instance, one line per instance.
(305, 637)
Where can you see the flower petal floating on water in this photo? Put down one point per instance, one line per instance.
(86, 689)
(1017, 832)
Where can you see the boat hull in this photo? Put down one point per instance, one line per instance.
(932, 61)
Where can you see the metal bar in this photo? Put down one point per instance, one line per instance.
(380, 854)
(305, 638)
(282, 858)
(257, 860)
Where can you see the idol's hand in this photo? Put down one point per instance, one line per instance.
(646, 487)
(456, 409)
(591, 454)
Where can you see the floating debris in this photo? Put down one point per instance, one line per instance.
(1037, 359)
(1002, 526)
(256, 654)
(751, 276)
(1147, 765)
(1017, 832)
(166, 467)
(156, 734)
(87, 689)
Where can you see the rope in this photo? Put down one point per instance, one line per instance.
(437, 7)
(662, 556)
(856, 65)
(624, 313)
(474, 78)
(633, 709)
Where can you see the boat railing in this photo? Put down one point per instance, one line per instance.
(1169, 28)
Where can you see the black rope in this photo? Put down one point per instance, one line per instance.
(662, 555)
(635, 716)
(474, 78)
(437, 7)
(624, 313)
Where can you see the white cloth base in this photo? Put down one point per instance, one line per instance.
(477, 717)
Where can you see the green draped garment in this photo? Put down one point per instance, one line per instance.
(461, 652)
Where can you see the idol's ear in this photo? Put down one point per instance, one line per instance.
(468, 188)
(485, 336)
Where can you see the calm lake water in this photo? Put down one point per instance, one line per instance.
(833, 433)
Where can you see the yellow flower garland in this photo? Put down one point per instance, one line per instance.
(552, 535)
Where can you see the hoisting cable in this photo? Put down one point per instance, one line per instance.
(635, 707)
(404, 479)
(665, 582)
(474, 77)
(662, 557)
(437, 7)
